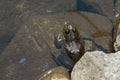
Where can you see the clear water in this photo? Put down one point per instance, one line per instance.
(13, 13)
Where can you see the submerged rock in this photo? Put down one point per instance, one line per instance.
(98, 6)
(58, 73)
(28, 7)
(34, 41)
(97, 65)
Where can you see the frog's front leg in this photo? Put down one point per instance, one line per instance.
(58, 42)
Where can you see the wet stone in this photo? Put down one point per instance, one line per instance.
(58, 73)
(22, 60)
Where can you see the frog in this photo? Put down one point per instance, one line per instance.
(72, 46)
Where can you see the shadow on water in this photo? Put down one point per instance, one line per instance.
(4, 41)
(95, 45)
(93, 7)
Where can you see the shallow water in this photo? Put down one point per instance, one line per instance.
(14, 13)
(11, 11)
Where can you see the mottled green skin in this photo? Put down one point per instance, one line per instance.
(76, 55)
(76, 32)
(62, 44)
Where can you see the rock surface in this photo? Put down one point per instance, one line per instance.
(58, 73)
(97, 65)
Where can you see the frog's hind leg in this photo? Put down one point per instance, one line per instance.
(63, 60)
(58, 43)
(55, 59)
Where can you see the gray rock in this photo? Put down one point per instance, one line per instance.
(97, 65)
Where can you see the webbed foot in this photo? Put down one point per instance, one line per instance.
(63, 60)
(58, 42)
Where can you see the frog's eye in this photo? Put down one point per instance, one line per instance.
(74, 30)
(67, 31)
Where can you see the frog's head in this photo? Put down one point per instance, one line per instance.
(70, 32)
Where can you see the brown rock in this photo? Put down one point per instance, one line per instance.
(58, 73)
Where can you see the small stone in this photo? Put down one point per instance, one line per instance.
(58, 73)
(22, 60)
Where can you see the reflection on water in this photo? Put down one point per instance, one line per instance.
(45, 65)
